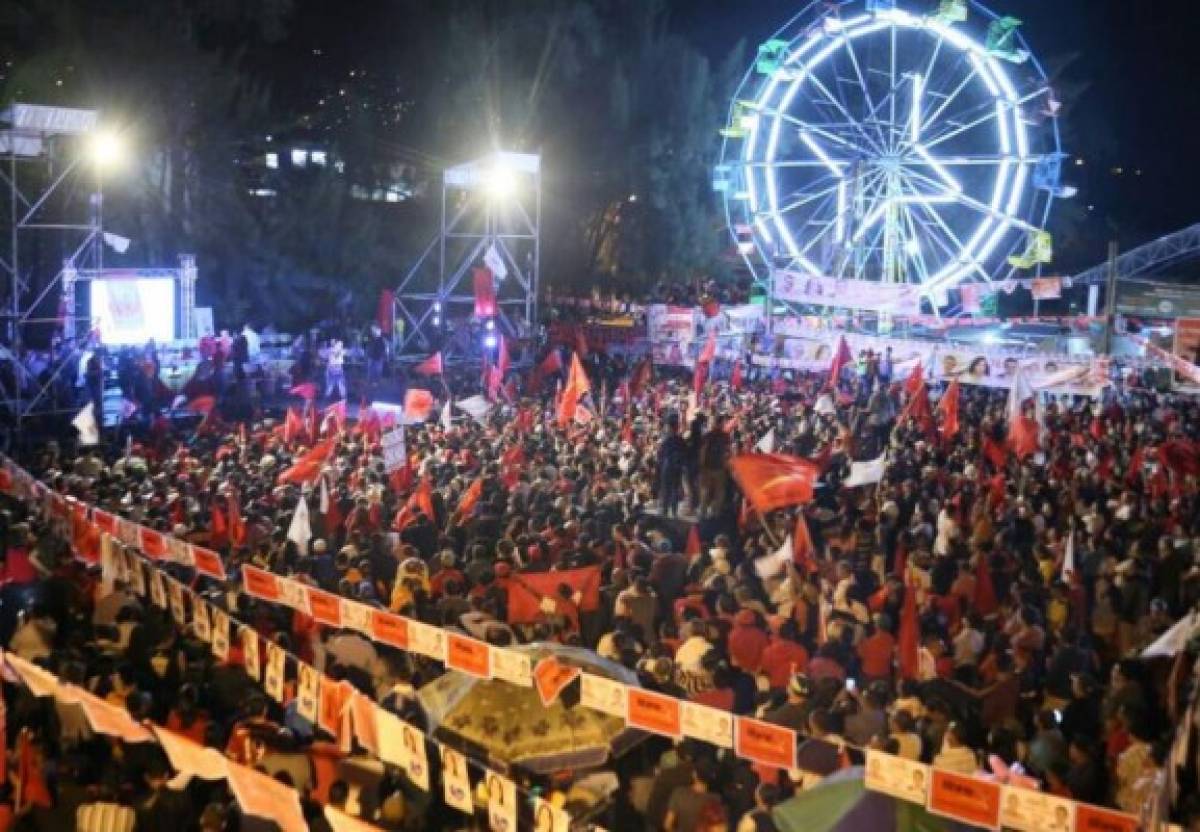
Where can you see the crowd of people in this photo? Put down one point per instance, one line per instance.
(1036, 579)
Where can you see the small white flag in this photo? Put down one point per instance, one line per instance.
(1068, 565)
(768, 566)
(85, 423)
(767, 443)
(324, 495)
(495, 262)
(866, 473)
(300, 529)
(116, 242)
(447, 418)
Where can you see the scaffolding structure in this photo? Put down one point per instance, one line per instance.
(53, 227)
(491, 210)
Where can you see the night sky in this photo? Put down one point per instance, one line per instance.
(1125, 70)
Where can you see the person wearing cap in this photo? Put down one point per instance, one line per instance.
(794, 713)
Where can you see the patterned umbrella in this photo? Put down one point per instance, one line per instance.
(841, 803)
(506, 723)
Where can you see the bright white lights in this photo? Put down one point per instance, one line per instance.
(912, 248)
(938, 168)
(299, 158)
(490, 324)
(107, 149)
(820, 154)
(500, 181)
(272, 160)
(490, 342)
(914, 120)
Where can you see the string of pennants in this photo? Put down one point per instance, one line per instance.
(336, 708)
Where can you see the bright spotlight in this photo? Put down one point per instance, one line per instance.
(490, 324)
(490, 342)
(106, 148)
(913, 248)
(500, 182)
(991, 337)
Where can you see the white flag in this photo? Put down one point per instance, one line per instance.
(116, 242)
(324, 496)
(495, 262)
(447, 418)
(476, 407)
(85, 423)
(1068, 564)
(768, 566)
(767, 443)
(866, 473)
(300, 530)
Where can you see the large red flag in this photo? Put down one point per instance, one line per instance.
(293, 425)
(909, 646)
(528, 590)
(915, 380)
(918, 408)
(431, 366)
(772, 481)
(308, 467)
(948, 407)
(841, 357)
(994, 452)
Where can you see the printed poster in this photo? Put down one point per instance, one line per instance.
(308, 686)
(898, 777)
(456, 781)
(250, 653)
(276, 671)
(601, 694)
(1029, 811)
(502, 803)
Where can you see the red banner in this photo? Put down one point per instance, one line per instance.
(260, 583)
(654, 712)
(762, 742)
(965, 798)
(325, 607)
(389, 629)
(468, 655)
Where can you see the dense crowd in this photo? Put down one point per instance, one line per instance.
(1020, 659)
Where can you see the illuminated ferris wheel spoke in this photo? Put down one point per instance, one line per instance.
(828, 135)
(848, 44)
(936, 115)
(807, 199)
(849, 118)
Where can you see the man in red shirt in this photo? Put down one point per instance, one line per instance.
(877, 651)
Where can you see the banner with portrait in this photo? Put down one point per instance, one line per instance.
(865, 295)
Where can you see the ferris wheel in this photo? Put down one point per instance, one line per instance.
(871, 142)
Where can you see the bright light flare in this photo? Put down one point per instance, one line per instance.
(107, 149)
(500, 181)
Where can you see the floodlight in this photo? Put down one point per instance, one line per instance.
(106, 148)
(500, 182)
(490, 342)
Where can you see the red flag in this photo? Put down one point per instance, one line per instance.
(306, 391)
(918, 408)
(237, 526)
(915, 380)
(470, 498)
(693, 546)
(577, 386)
(909, 646)
(485, 292)
(841, 358)
(418, 404)
(527, 590)
(420, 500)
(948, 408)
(995, 453)
(772, 481)
(293, 426)
(202, 404)
(709, 352)
(515, 455)
(804, 553)
(1022, 432)
(552, 363)
(431, 366)
(308, 467)
(218, 528)
(735, 381)
(335, 413)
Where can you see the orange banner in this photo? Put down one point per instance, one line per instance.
(551, 677)
(333, 698)
(260, 583)
(762, 742)
(1094, 819)
(390, 629)
(653, 712)
(325, 607)
(965, 798)
(469, 655)
(208, 562)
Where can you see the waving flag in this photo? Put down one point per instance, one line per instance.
(299, 530)
(867, 472)
(308, 467)
(841, 357)
(576, 388)
(470, 498)
(948, 408)
(418, 404)
(1022, 432)
(804, 553)
(772, 481)
(431, 366)
(85, 422)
